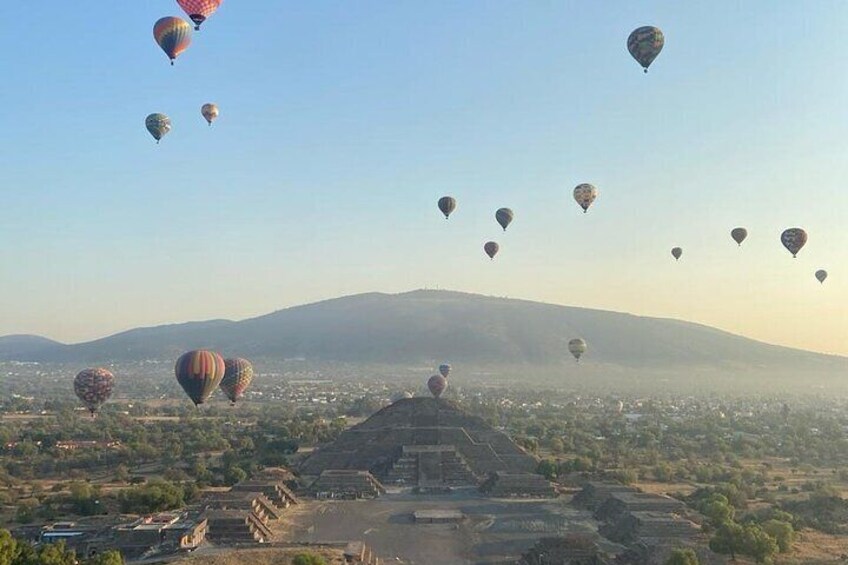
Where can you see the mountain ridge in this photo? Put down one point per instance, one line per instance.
(426, 325)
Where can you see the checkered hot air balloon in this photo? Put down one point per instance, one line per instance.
(94, 387)
(199, 373)
(199, 10)
(238, 374)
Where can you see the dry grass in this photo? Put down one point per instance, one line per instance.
(270, 556)
(815, 547)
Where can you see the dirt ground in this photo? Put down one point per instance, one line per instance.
(492, 531)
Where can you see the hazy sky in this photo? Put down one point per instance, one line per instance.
(342, 122)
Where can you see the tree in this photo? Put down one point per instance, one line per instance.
(717, 509)
(547, 468)
(234, 475)
(728, 540)
(8, 548)
(308, 559)
(758, 544)
(112, 557)
(56, 554)
(782, 532)
(682, 557)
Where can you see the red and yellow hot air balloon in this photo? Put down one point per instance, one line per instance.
(173, 35)
(238, 374)
(199, 10)
(199, 373)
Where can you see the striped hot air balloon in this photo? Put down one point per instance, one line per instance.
(238, 374)
(173, 35)
(210, 112)
(199, 10)
(94, 387)
(199, 373)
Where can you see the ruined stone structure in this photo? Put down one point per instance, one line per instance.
(254, 502)
(430, 465)
(651, 528)
(346, 485)
(235, 527)
(619, 503)
(423, 442)
(574, 549)
(276, 491)
(595, 494)
(518, 485)
(359, 552)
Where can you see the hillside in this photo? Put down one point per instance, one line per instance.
(423, 326)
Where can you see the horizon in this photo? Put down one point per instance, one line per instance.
(342, 125)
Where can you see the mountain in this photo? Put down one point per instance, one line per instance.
(21, 347)
(426, 326)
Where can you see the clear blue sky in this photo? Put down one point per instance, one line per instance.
(343, 122)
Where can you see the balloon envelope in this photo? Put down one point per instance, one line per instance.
(94, 387)
(158, 125)
(585, 194)
(210, 112)
(199, 10)
(577, 347)
(199, 373)
(677, 253)
(821, 274)
(437, 385)
(504, 217)
(238, 374)
(491, 248)
(739, 235)
(644, 44)
(173, 35)
(447, 204)
(444, 370)
(793, 239)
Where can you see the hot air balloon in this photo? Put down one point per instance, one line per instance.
(644, 44)
(199, 373)
(437, 385)
(447, 204)
(739, 235)
(793, 239)
(585, 194)
(238, 374)
(210, 112)
(821, 274)
(173, 35)
(677, 253)
(491, 248)
(158, 125)
(577, 347)
(444, 370)
(504, 217)
(94, 387)
(199, 10)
